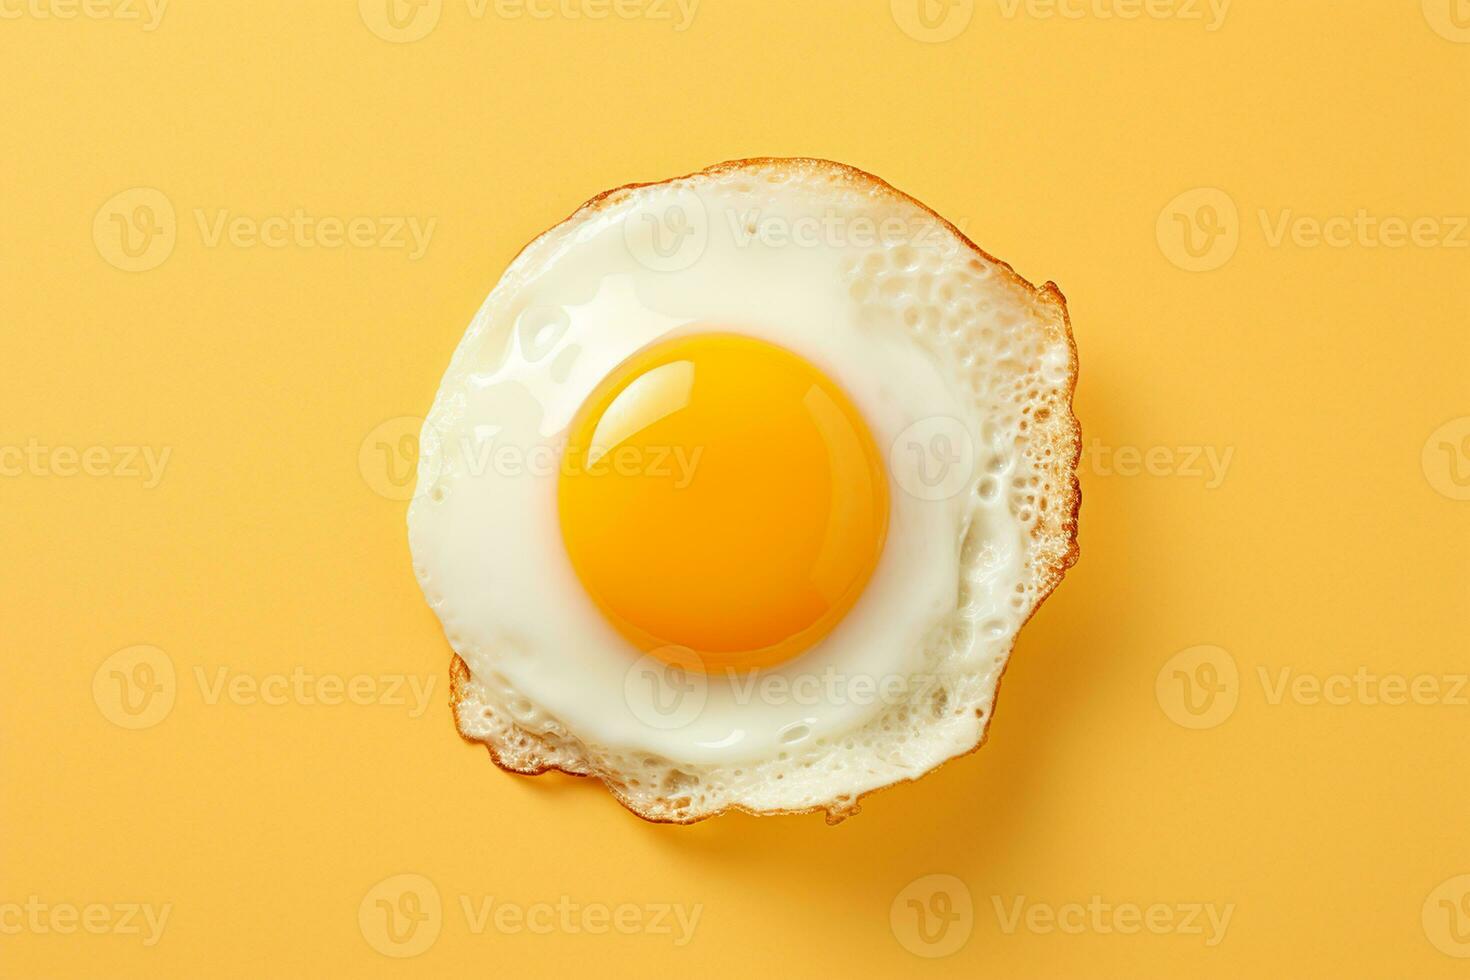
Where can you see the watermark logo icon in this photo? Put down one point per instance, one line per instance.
(1446, 917)
(401, 916)
(932, 21)
(401, 21)
(136, 229)
(933, 459)
(1199, 230)
(1450, 19)
(1199, 687)
(1446, 459)
(933, 916)
(668, 233)
(389, 459)
(135, 688)
(666, 689)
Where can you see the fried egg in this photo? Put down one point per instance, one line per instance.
(739, 487)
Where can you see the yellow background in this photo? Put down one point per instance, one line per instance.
(1333, 542)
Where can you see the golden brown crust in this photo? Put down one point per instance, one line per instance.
(1055, 567)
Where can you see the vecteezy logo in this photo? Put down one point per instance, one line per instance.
(400, 21)
(666, 689)
(1446, 917)
(1198, 687)
(933, 459)
(933, 916)
(136, 230)
(135, 687)
(389, 459)
(1446, 459)
(668, 232)
(401, 915)
(1199, 230)
(1450, 19)
(932, 21)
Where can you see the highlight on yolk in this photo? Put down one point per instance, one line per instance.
(722, 495)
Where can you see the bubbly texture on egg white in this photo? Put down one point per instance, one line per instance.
(963, 373)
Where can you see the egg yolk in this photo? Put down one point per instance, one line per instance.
(721, 495)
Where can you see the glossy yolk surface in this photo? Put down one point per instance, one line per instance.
(721, 495)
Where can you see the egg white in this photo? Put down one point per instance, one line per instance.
(794, 253)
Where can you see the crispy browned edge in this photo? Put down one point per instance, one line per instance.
(459, 671)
